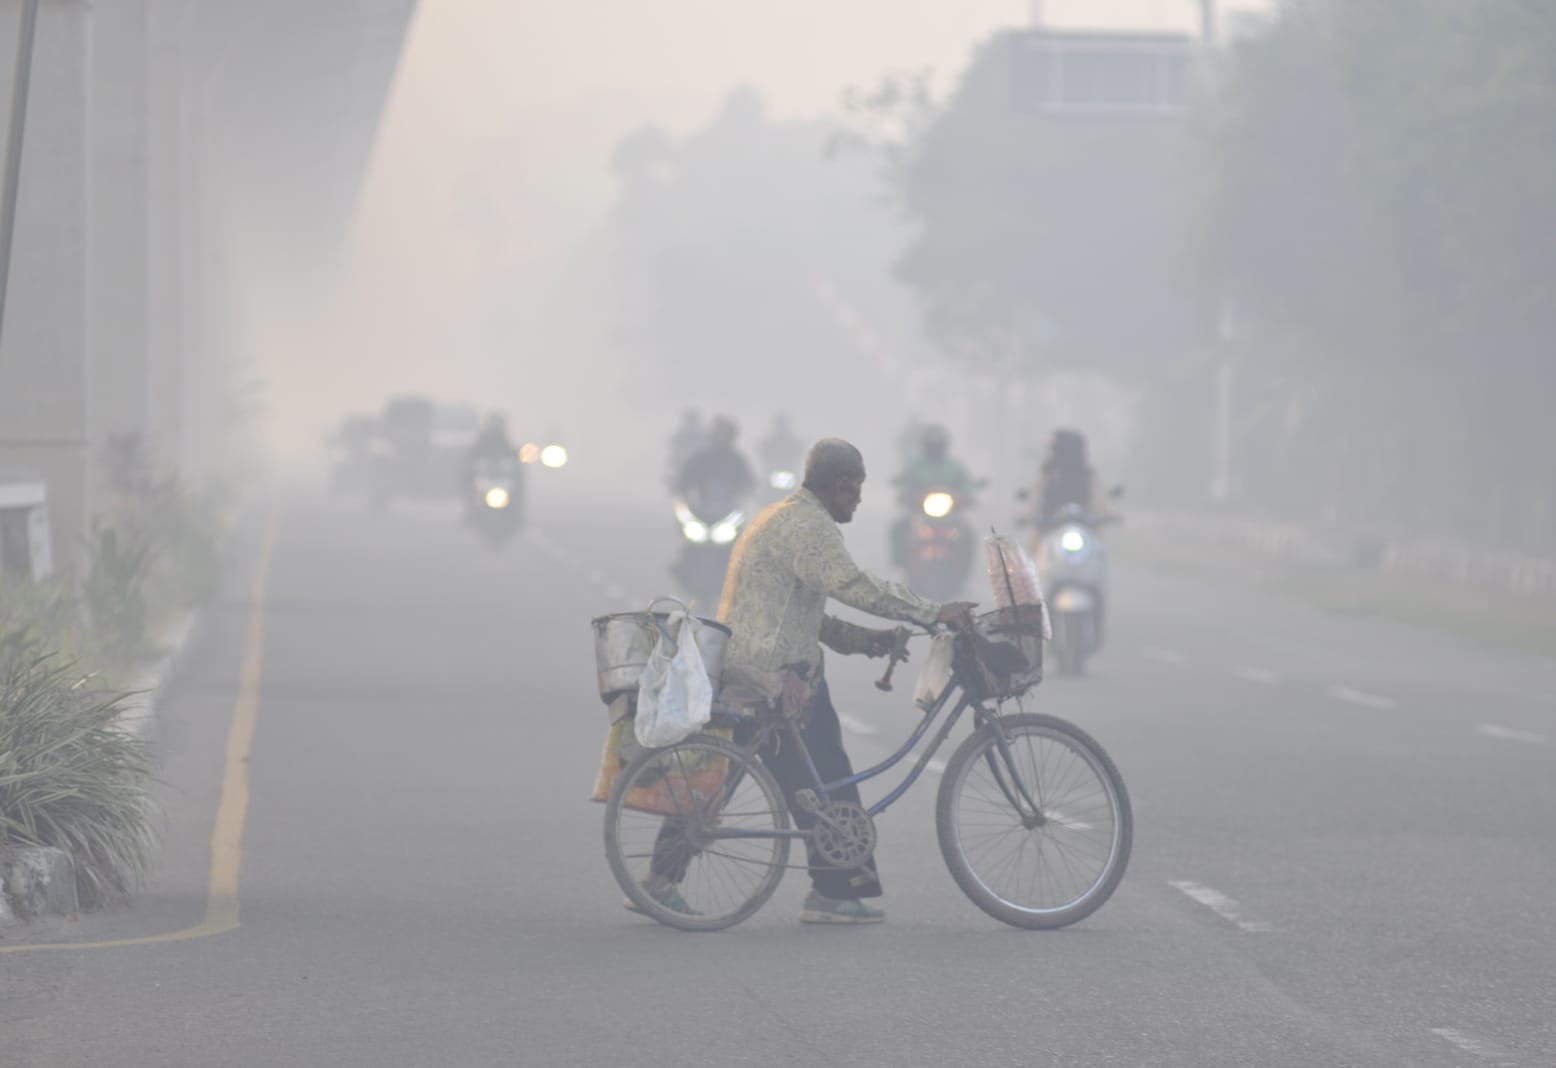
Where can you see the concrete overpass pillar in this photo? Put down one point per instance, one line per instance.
(46, 387)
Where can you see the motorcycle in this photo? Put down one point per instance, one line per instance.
(934, 545)
(710, 523)
(495, 498)
(780, 483)
(1073, 563)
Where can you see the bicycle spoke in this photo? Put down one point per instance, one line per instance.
(1056, 863)
(699, 787)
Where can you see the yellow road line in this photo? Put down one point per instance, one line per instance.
(221, 896)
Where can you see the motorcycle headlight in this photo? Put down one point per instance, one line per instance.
(938, 505)
(496, 497)
(553, 456)
(1072, 541)
(782, 480)
(695, 530)
(724, 533)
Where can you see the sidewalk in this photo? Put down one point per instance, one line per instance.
(1500, 600)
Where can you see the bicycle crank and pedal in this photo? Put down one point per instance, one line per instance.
(844, 833)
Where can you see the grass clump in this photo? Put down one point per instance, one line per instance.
(71, 775)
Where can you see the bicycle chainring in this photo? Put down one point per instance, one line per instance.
(844, 835)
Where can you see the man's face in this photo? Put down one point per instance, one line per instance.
(844, 498)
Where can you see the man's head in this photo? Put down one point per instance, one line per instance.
(834, 472)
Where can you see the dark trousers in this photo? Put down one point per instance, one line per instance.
(824, 739)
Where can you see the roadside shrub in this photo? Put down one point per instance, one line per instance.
(71, 775)
(115, 590)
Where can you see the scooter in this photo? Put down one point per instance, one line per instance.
(495, 499)
(934, 545)
(1073, 564)
(780, 483)
(710, 523)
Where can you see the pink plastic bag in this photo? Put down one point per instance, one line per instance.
(1013, 577)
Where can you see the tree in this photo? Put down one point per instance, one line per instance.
(1381, 197)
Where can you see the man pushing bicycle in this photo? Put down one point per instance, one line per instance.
(784, 568)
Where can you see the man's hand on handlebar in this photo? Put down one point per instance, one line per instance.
(956, 614)
(883, 642)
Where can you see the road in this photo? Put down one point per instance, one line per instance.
(1344, 848)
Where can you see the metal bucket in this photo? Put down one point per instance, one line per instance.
(623, 641)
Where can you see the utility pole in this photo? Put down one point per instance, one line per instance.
(21, 82)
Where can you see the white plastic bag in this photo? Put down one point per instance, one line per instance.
(675, 696)
(935, 675)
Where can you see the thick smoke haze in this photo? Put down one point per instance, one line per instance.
(479, 266)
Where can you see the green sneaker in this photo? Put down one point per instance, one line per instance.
(668, 895)
(818, 909)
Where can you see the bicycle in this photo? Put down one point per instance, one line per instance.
(712, 819)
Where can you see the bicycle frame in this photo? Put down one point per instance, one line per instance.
(967, 696)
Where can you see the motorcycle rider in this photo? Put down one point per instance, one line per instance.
(932, 469)
(779, 449)
(785, 567)
(717, 470)
(688, 438)
(1065, 478)
(491, 443)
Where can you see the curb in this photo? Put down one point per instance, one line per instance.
(36, 881)
(41, 880)
(152, 684)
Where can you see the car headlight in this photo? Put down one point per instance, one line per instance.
(695, 530)
(782, 480)
(529, 453)
(724, 533)
(1072, 541)
(553, 456)
(938, 505)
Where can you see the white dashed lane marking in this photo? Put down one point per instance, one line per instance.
(1472, 1045)
(595, 577)
(857, 726)
(1225, 907)
(1164, 656)
(1510, 734)
(1364, 699)
(1263, 676)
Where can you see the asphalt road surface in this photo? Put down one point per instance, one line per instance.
(380, 851)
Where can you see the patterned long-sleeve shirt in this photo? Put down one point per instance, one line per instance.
(788, 562)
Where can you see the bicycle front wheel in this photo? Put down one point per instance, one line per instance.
(696, 834)
(1043, 869)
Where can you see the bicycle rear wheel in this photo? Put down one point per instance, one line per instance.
(703, 818)
(1037, 871)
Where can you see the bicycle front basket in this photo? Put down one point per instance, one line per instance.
(1012, 657)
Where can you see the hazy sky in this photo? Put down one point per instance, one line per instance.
(494, 145)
